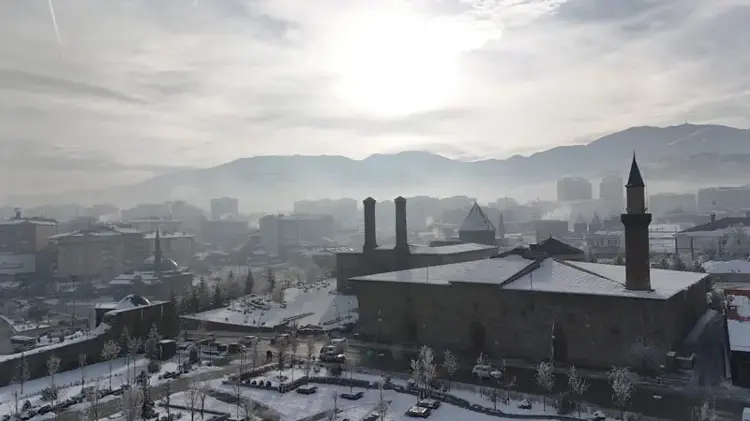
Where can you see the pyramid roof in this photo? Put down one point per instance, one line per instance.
(477, 220)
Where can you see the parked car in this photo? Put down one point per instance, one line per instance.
(418, 412)
(307, 390)
(429, 403)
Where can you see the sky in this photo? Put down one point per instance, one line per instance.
(122, 89)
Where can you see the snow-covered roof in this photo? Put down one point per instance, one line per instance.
(103, 231)
(731, 266)
(35, 221)
(168, 236)
(132, 301)
(129, 278)
(477, 220)
(549, 275)
(451, 249)
(721, 232)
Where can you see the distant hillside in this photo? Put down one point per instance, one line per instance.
(679, 153)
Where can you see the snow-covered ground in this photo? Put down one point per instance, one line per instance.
(69, 382)
(293, 406)
(315, 304)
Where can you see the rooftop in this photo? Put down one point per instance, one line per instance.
(167, 236)
(477, 220)
(720, 223)
(98, 231)
(548, 275)
(419, 249)
(31, 220)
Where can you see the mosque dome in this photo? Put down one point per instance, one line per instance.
(132, 301)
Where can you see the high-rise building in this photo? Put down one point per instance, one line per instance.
(611, 193)
(224, 207)
(573, 188)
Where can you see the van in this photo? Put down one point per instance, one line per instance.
(746, 414)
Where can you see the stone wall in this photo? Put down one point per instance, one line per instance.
(592, 330)
(138, 321)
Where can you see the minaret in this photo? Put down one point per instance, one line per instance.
(157, 252)
(636, 221)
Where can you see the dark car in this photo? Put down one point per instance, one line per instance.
(352, 396)
(418, 412)
(429, 403)
(307, 390)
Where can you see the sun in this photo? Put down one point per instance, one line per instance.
(393, 63)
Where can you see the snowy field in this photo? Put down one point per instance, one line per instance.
(316, 304)
(293, 406)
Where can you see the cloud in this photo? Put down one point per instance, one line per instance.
(138, 84)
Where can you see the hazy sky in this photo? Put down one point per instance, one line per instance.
(123, 87)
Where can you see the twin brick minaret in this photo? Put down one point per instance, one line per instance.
(636, 220)
(402, 243)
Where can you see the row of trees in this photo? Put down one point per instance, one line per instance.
(201, 297)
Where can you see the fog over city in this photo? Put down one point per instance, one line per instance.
(374, 210)
(99, 94)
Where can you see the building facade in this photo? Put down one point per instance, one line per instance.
(376, 259)
(102, 252)
(537, 307)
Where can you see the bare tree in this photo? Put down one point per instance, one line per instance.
(166, 397)
(382, 403)
(493, 395)
(109, 352)
(643, 356)
(53, 364)
(335, 410)
(248, 410)
(131, 403)
(705, 412)
(309, 353)
(23, 371)
(450, 363)
(93, 398)
(256, 353)
(621, 380)
(545, 379)
(134, 344)
(511, 384)
(193, 398)
(427, 358)
(203, 391)
(294, 347)
(82, 365)
(578, 386)
(415, 366)
(282, 355)
(237, 389)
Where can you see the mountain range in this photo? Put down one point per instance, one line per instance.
(685, 153)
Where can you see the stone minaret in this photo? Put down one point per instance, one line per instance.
(402, 241)
(636, 221)
(370, 236)
(157, 249)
